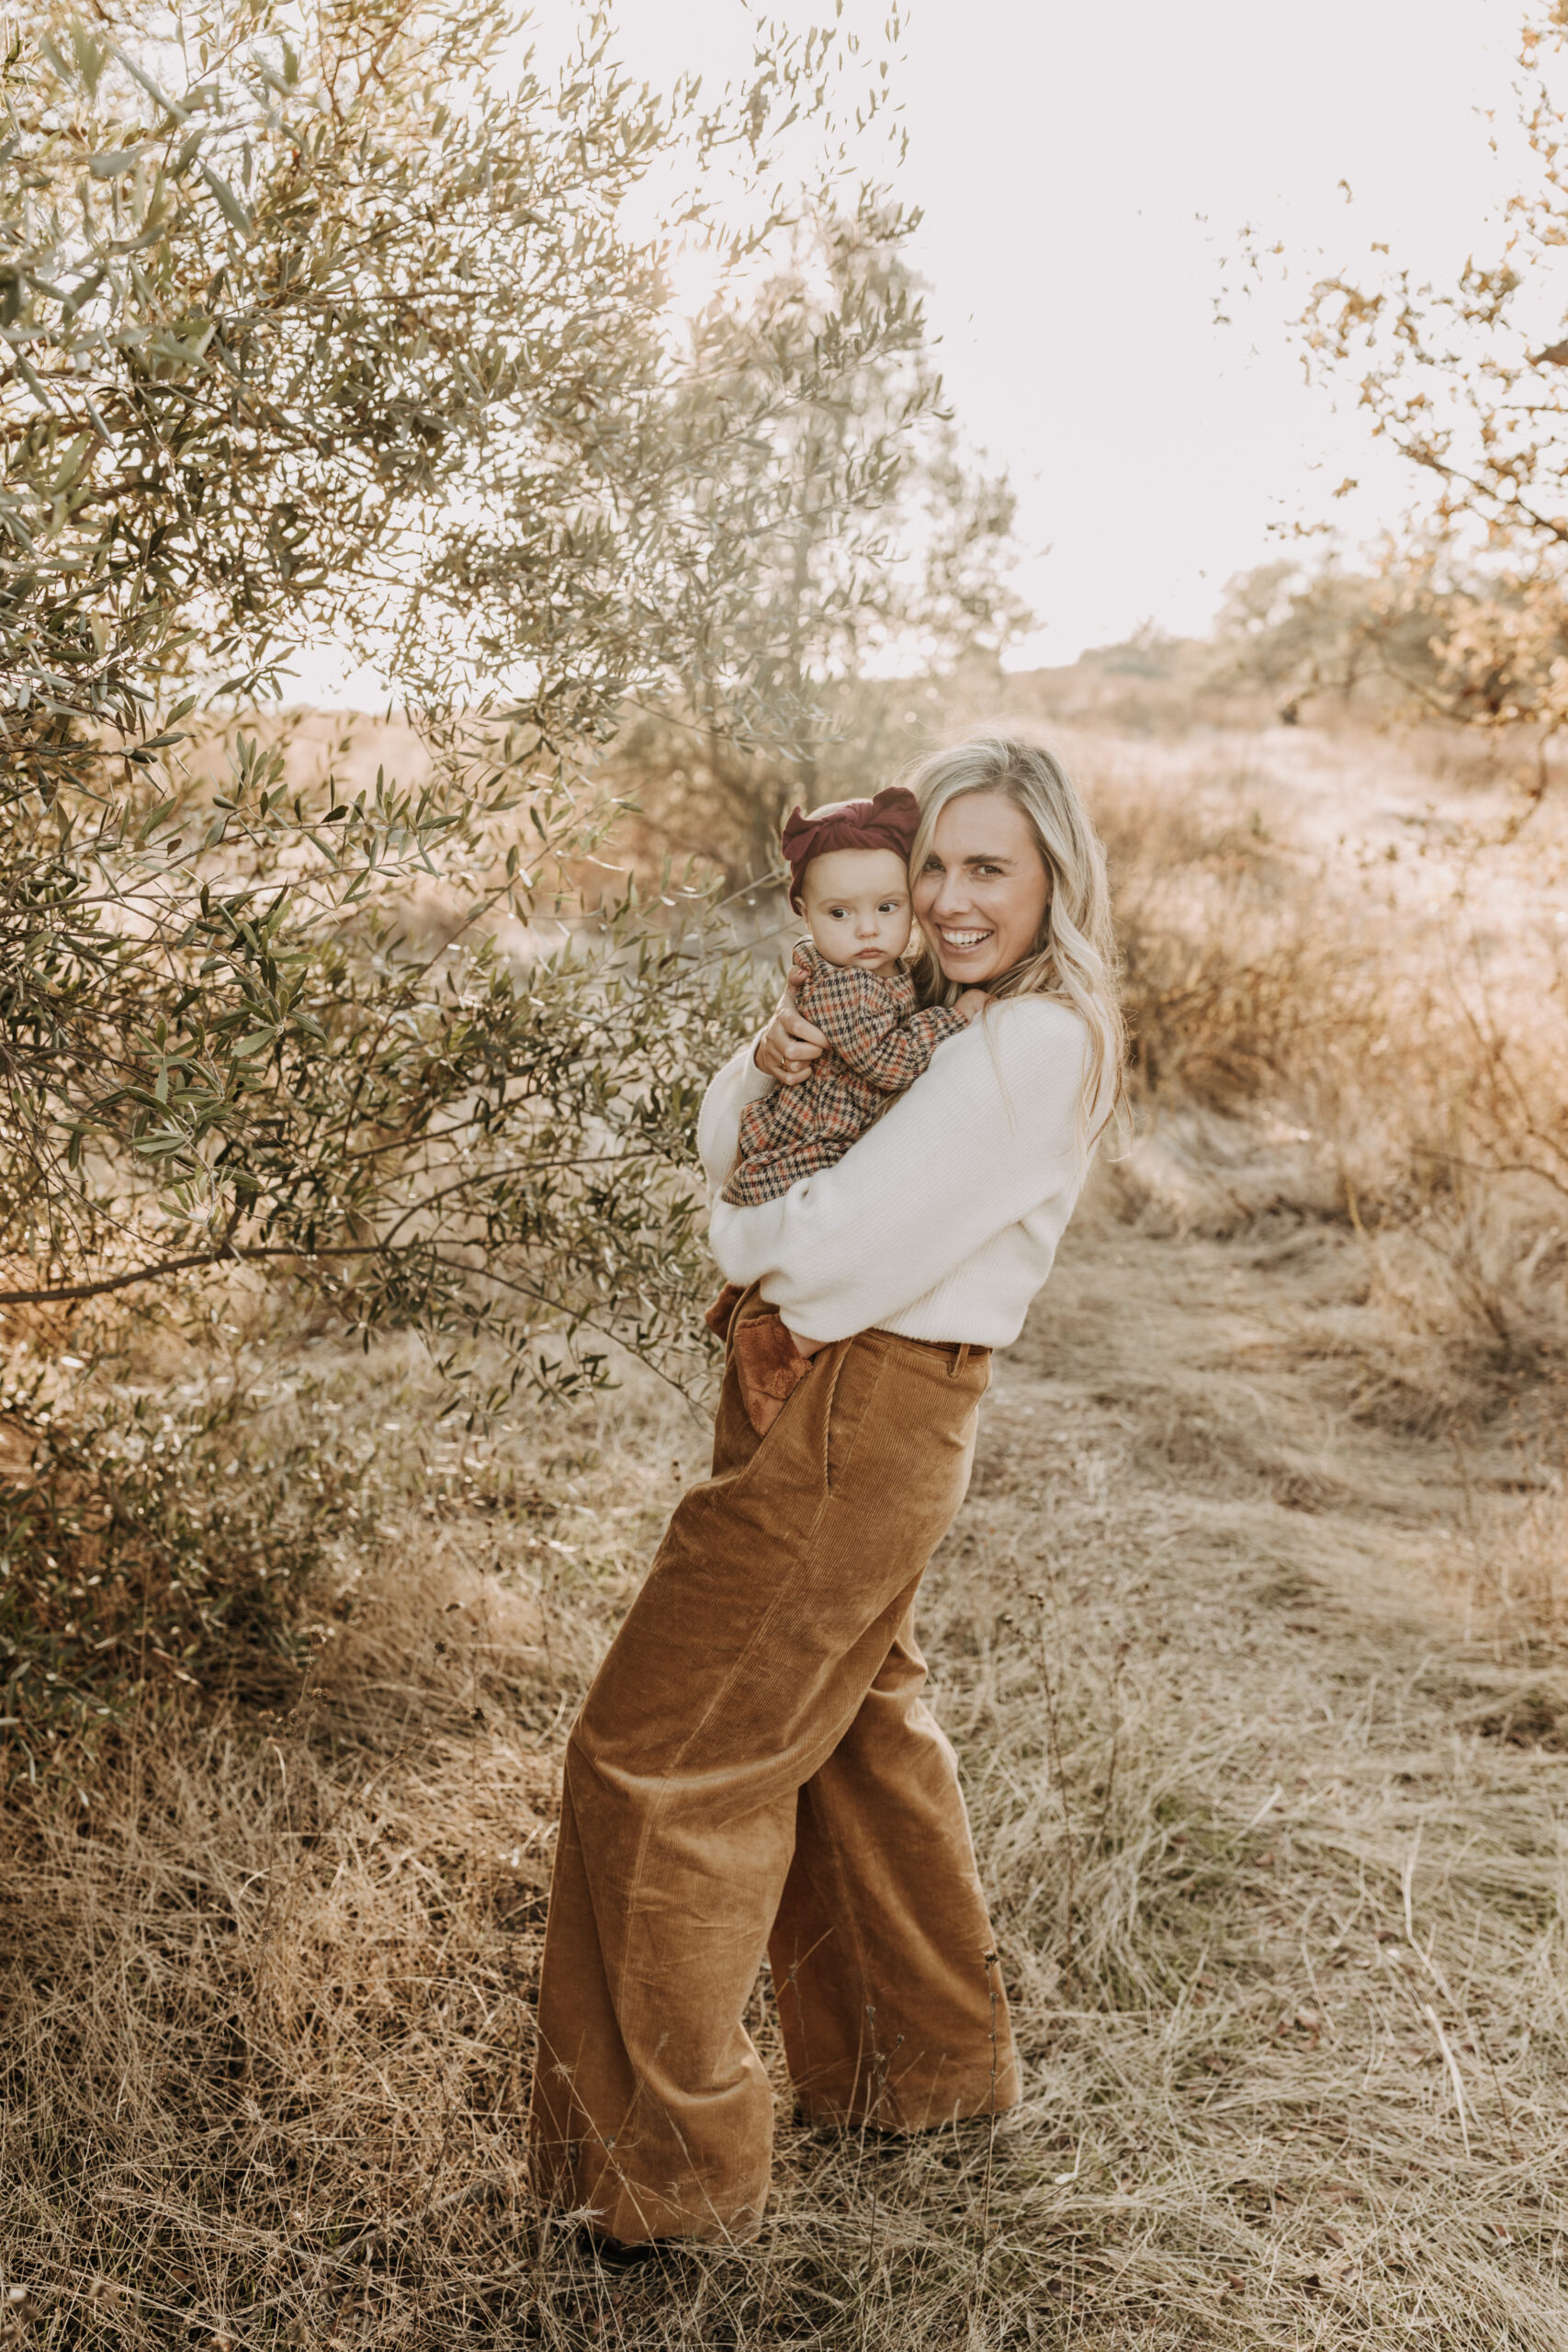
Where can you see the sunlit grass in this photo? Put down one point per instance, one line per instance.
(1248, 1638)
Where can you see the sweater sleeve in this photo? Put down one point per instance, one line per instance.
(988, 1135)
(862, 1023)
(719, 1121)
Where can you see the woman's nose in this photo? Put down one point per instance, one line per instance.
(952, 900)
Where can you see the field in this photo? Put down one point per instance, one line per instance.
(1249, 1636)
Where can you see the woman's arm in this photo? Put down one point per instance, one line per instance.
(988, 1134)
(719, 1121)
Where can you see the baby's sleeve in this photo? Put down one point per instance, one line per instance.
(866, 1031)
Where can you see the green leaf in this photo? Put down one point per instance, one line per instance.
(91, 56)
(227, 202)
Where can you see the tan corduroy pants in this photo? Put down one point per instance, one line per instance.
(754, 1770)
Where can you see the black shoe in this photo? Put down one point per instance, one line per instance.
(614, 2253)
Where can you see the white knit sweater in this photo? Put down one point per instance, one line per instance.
(943, 1221)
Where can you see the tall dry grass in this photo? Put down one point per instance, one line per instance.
(1349, 1004)
(268, 1988)
(1248, 1638)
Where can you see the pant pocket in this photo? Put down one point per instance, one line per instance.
(857, 1377)
(769, 1367)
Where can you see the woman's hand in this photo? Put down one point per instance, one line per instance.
(788, 1045)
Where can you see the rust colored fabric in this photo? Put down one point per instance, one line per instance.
(879, 1043)
(888, 820)
(769, 1365)
(717, 1318)
(770, 1368)
(754, 1771)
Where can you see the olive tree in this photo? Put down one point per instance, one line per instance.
(329, 323)
(832, 616)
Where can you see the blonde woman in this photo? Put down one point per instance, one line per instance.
(754, 1771)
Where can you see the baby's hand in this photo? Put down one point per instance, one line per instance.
(972, 1001)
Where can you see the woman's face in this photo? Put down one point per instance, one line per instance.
(981, 896)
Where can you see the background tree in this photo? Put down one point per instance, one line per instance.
(824, 613)
(1302, 633)
(329, 323)
(1471, 385)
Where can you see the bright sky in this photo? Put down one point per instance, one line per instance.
(1084, 169)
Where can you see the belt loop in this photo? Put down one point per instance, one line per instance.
(960, 1359)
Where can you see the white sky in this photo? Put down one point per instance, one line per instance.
(1084, 169)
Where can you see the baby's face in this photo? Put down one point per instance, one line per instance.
(857, 907)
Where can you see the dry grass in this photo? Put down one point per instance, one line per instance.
(1349, 1004)
(1249, 1639)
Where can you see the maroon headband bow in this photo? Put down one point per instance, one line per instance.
(887, 822)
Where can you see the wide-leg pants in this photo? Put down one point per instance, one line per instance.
(754, 1769)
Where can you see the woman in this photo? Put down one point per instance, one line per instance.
(754, 1769)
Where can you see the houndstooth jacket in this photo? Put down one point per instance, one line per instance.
(878, 1045)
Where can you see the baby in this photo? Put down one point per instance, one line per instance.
(850, 878)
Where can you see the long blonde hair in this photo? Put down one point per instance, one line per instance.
(1074, 959)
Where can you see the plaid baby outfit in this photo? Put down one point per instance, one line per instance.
(878, 1045)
